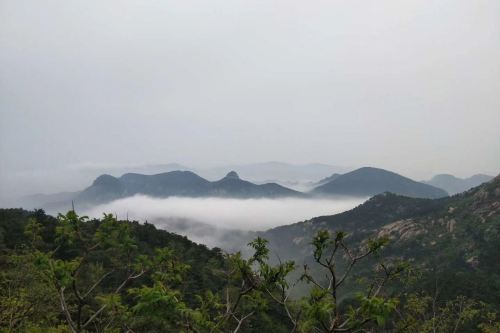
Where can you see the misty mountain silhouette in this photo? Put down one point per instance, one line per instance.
(362, 182)
(327, 179)
(178, 183)
(370, 181)
(454, 185)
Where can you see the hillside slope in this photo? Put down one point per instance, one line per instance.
(459, 235)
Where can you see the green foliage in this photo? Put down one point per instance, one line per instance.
(158, 302)
(33, 231)
(24, 296)
(261, 252)
(378, 309)
(73, 274)
(425, 314)
(491, 323)
(317, 308)
(320, 243)
(68, 230)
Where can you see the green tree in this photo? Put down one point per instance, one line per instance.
(321, 310)
(81, 262)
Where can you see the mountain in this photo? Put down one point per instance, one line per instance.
(293, 241)
(369, 181)
(177, 183)
(278, 171)
(327, 179)
(454, 185)
(458, 236)
(232, 186)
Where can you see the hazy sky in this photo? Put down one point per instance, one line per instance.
(412, 86)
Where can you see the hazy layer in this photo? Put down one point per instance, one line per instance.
(218, 222)
(410, 86)
(242, 214)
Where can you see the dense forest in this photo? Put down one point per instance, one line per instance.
(73, 274)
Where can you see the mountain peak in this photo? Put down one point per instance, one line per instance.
(105, 180)
(369, 181)
(232, 175)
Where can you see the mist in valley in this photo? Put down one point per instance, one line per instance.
(221, 222)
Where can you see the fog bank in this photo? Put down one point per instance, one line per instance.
(241, 214)
(218, 222)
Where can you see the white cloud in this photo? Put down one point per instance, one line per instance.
(219, 222)
(242, 214)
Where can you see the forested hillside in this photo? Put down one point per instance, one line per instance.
(393, 264)
(70, 274)
(453, 243)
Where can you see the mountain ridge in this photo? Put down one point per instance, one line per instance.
(178, 183)
(186, 183)
(454, 185)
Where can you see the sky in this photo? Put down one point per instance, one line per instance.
(411, 86)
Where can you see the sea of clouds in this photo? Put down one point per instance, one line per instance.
(221, 221)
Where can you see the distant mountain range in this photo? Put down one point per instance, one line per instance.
(369, 181)
(255, 172)
(106, 188)
(454, 185)
(178, 183)
(363, 182)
